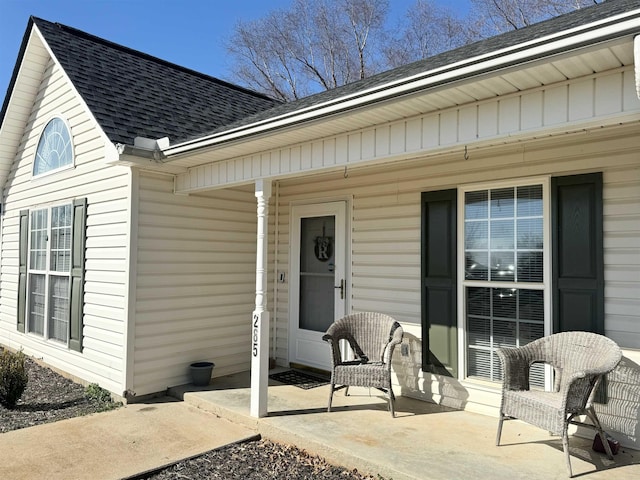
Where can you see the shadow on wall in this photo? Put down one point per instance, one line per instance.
(620, 415)
(439, 389)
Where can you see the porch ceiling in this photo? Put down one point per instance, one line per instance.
(535, 73)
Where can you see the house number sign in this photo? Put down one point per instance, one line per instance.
(256, 322)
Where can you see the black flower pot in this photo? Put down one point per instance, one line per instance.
(201, 373)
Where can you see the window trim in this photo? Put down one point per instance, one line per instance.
(545, 285)
(46, 337)
(71, 165)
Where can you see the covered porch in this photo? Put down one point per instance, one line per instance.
(425, 440)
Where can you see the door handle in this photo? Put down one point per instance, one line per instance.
(341, 287)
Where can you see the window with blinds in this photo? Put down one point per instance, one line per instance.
(49, 272)
(503, 275)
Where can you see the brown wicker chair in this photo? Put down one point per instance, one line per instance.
(579, 360)
(372, 338)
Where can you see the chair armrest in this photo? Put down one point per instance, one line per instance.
(334, 342)
(395, 340)
(516, 363)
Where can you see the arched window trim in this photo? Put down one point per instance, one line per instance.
(68, 166)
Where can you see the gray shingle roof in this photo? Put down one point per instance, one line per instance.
(133, 94)
(558, 24)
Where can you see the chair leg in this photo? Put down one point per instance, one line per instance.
(591, 413)
(565, 447)
(330, 397)
(392, 399)
(346, 392)
(499, 434)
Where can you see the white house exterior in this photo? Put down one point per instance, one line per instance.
(523, 150)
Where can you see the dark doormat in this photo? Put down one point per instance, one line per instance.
(300, 379)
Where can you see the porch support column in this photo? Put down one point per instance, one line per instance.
(636, 57)
(260, 320)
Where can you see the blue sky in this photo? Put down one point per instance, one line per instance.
(187, 32)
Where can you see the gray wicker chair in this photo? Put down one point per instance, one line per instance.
(372, 338)
(579, 360)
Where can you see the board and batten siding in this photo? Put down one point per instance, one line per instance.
(195, 283)
(602, 99)
(106, 189)
(386, 235)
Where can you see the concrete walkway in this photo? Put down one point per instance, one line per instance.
(115, 444)
(424, 441)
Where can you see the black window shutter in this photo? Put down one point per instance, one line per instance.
(439, 288)
(577, 253)
(76, 301)
(22, 268)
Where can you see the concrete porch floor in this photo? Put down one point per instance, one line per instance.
(424, 441)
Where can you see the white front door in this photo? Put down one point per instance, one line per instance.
(318, 279)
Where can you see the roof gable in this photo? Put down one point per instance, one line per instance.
(132, 94)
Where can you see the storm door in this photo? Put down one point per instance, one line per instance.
(318, 283)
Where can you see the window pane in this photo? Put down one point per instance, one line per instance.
(38, 239)
(479, 364)
(476, 235)
(531, 305)
(61, 238)
(499, 317)
(58, 308)
(36, 303)
(502, 267)
(476, 205)
(479, 301)
(530, 234)
(530, 201)
(504, 302)
(54, 148)
(502, 235)
(476, 265)
(530, 267)
(502, 203)
(505, 334)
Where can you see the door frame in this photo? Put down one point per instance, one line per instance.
(310, 207)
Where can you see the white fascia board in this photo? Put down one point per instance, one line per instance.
(554, 44)
(7, 162)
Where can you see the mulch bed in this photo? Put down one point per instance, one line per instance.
(49, 397)
(257, 461)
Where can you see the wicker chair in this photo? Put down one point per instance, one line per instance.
(579, 360)
(372, 338)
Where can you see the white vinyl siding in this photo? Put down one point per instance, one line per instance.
(195, 284)
(386, 232)
(106, 236)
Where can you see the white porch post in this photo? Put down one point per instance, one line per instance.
(260, 320)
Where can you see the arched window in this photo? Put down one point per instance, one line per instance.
(54, 148)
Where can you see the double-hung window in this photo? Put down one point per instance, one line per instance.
(506, 263)
(49, 272)
(505, 273)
